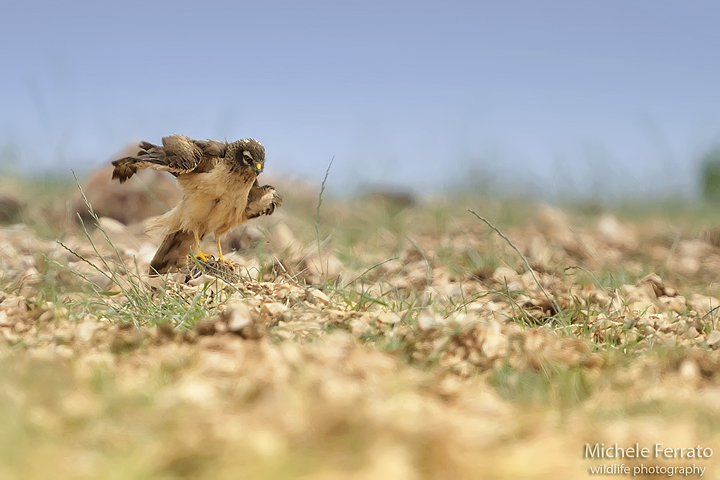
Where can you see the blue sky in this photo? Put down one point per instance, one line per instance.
(561, 97)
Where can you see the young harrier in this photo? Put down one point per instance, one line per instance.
(220, 191)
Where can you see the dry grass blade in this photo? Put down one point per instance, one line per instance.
(549, 298)
(317, 212)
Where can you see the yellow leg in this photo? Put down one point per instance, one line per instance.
(220, 255)
(200, 255)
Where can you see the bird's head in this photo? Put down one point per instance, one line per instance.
(250, 154)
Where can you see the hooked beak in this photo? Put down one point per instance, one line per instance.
(258, 168)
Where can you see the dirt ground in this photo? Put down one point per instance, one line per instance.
(363, 339)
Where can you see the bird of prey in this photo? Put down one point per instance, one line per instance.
(220, 191)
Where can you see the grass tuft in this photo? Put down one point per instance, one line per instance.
(131, 299)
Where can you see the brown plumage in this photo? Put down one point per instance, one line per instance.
(220, 191)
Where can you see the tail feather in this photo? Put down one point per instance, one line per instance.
(175, 248)
(163, 224)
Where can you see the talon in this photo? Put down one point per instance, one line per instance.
(202, 256)
(220, 255)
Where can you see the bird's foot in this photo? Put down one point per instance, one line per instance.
(204, 257)
(226, 262)
(220, 255)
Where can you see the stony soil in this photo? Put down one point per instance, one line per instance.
(382, 341)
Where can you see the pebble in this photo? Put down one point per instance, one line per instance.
(237, 316)
(389, 318)
(714, 339)
(319, 297)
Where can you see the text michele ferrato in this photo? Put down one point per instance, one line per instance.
(657, 451)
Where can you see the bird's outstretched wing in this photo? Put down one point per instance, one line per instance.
(178, 155)
(262, 200)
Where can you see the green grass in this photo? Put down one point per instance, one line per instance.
(131, 298)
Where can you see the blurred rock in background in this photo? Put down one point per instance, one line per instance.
(11, 206)
(394, 198)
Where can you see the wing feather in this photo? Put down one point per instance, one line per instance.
(212, 148)
(262, 200)
(178, 155)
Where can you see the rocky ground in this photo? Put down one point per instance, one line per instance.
(378, 339)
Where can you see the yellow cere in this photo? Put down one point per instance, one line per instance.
(258, 166)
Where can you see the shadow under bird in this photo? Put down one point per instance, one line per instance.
(220, 191)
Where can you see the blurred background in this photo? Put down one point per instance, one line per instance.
(563, 99)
